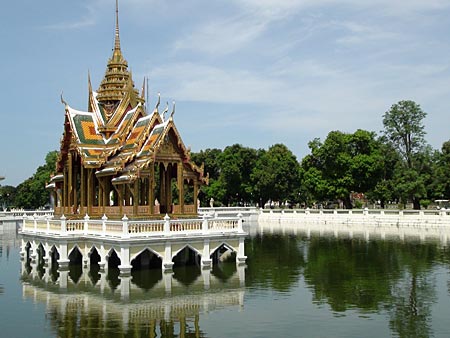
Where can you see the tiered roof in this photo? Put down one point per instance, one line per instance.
(116, 135)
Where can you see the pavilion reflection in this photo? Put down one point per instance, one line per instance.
(149, 302)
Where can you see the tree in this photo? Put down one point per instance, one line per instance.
(342, 164)
(404, 129)
(236, 164)
(210, 159)
(403, 126)
(32, 194)
(440, 186)
(7, 196)
(276, 175)
(384, 189)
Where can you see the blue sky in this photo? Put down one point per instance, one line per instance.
(254, 72)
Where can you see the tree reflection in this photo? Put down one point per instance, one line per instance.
(412, 297)
(351, 273)
(375, 276)
(274, 261)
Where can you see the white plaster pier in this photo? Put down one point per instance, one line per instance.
(366, 223)
(127, 243)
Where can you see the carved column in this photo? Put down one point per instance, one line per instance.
(136, 199)
(151, 188)
(70, 181)
(180, 186)
(89, 191)
(82, 190)
(195, 195)
(168, 187)
(162, 186)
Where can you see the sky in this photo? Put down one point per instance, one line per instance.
(253, 72)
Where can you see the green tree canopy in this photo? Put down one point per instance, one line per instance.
(236, 164)
(404, 129)
(341, 164)
(276, 175)
(32, 194)
(403, 126)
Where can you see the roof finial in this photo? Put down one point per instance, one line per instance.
(117, 39)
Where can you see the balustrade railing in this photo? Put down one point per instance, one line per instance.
(366, 212)
(126, 228)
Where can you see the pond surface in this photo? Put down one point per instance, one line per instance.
(292, 286)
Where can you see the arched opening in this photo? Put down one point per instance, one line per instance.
(146, 260)
(224, 266)
(75, 256)
(113, 270)
(40, 260)
(27, 249)
(75, 266)
(186, 268)
(146, 271)
(54, 257)
(94, 271)
(40, 254)
(222, 254)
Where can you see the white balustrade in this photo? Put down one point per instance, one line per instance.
(381, 217)
(126, 228)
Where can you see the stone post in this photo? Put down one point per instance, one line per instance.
(63, 257)
(240, 256)
(125, 266)
(103, 263)
(63, 225)
(35, 222)
(125, 233)
(205, 225)
(166, 225)
(167, 263)
(240, 222)
(104, 219)
(86, 224)
(206, 261)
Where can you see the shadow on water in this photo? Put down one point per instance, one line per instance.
(186, 275)
(224, 270)
(146, 278)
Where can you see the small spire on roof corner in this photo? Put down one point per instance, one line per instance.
(63, 101)
(173, 110)
(158, 102)
(164, 112)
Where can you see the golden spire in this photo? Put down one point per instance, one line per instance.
(117, 51)
(117, 77)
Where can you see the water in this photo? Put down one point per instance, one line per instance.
(293, 286)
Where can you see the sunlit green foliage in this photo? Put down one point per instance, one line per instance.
(32, 194)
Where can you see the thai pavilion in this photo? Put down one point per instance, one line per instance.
(118, 159)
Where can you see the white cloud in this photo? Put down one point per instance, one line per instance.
(197, 82)
(222, 36)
